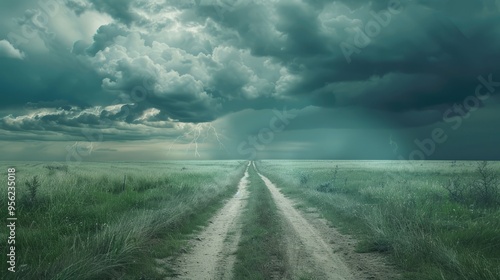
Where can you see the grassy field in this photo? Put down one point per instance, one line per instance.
(434, 220)
(109, 220)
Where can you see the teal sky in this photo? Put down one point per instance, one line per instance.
(88, 80)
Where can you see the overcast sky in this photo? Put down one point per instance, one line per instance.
(87, 80)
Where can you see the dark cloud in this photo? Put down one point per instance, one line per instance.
(118, 9)
(104, 38)
(135, 69)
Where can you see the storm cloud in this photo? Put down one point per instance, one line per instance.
(214, 70)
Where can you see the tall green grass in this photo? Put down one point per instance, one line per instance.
(406, 213)
(83, 222)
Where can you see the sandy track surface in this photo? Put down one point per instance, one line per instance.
(212, 254)
(317, 251)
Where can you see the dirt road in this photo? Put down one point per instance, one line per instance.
(309, 254)
(212, 254)
(315, 250)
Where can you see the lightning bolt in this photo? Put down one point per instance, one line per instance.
(73, 147)
(210, 126)
(91, 147)
(198, 133)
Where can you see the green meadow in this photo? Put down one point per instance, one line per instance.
(109, 220)
(433, 220)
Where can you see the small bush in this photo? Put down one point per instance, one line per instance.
(482, 192)
(30, 198)
(458, 190)
(33, 186)
(485, 190)
(334, 185)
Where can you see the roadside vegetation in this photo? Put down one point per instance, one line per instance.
(110, 220)
(261, 253)
(433, 220)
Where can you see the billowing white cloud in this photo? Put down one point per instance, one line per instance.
(8, 50)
